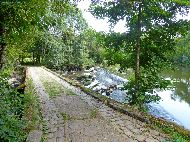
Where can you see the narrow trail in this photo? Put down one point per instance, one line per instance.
(81, 118)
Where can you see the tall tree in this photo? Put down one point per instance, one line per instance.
(151, 29)
(22, 20)
(61, 42)
(19, 20)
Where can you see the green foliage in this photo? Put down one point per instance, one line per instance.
(150, 82)
(19, 113)
(182, 52)
(53, 33)
(178, 138)
(63, 45)
(11, 124)
(94, 43)
(19, 21)
(66, 46)
(23, 24)
(152, 29)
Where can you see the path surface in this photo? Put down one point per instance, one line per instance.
(81, 118)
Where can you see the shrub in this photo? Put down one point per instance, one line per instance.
(11, 111)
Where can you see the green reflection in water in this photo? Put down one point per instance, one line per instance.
(181, 77)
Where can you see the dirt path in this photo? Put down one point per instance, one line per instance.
(81, 118)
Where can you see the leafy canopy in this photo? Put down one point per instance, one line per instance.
(151, 29)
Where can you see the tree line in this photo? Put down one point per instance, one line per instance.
(55, 34)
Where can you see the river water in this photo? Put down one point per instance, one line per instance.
(174, 104)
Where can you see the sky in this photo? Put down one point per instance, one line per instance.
(98, 24)
(102, 24)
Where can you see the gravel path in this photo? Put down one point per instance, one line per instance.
(81, 118)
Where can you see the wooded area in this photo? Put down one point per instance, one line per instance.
(54, 34)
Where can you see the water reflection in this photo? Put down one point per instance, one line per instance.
(181, 77)
(176, 101)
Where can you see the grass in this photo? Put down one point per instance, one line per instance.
(178, 138)
(54, 88)
(66, 116)
(69, 92)
(178, 134)
(32, 112)
(93, 113)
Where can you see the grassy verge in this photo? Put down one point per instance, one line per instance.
(175, 132)
(32, 111)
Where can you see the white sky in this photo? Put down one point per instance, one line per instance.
(98, 24)
(102, 24)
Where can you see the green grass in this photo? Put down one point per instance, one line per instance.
(32, 112)
(178, 138)
(69, 92)
(66, 116)
(54, 88)
(34, 116)
(94, 113)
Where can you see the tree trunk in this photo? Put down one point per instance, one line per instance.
(137, 52)
(2, 46)
(33, 57)
(2, 49)
(38, 58)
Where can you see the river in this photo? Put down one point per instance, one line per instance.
(174, 104)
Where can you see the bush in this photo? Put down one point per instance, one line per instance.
(19, 113)
(11, 110)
